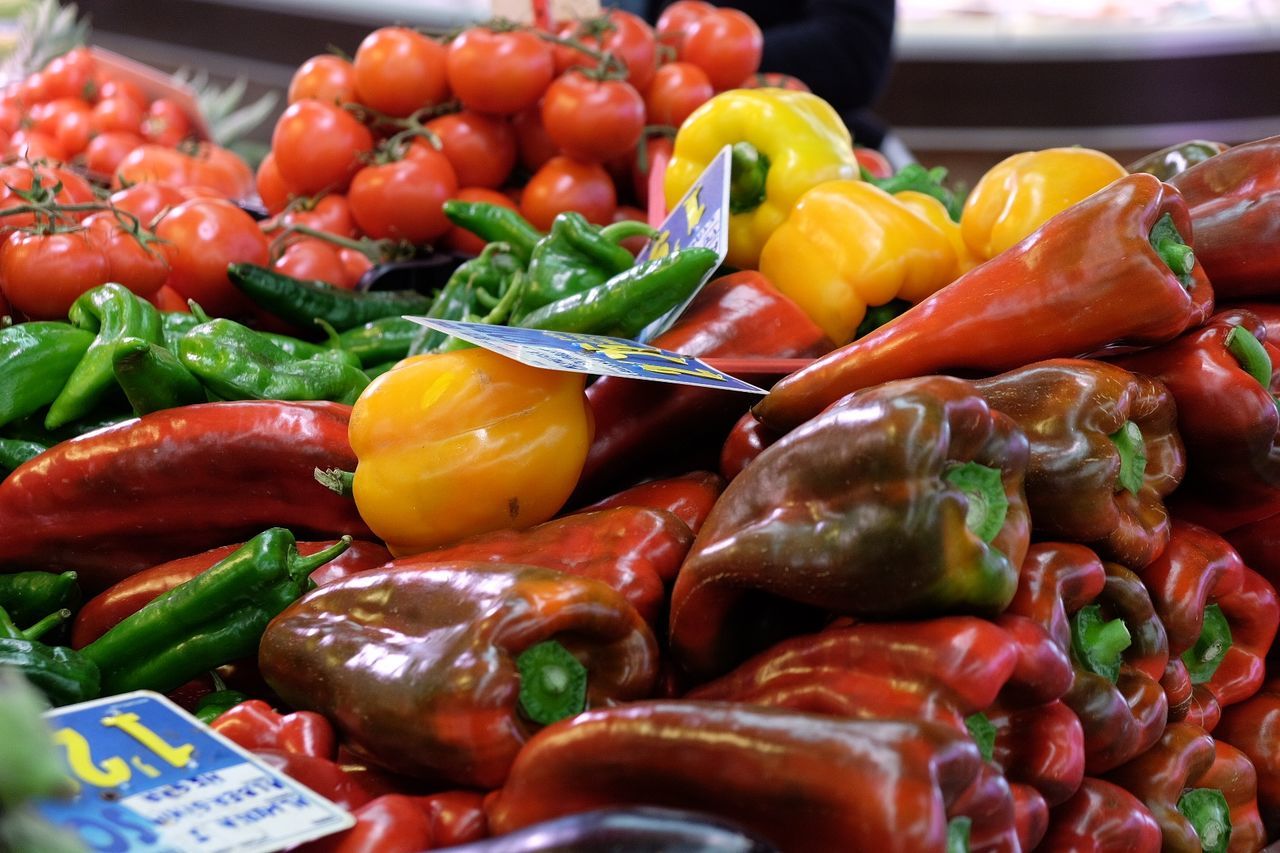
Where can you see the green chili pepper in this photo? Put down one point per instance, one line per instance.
(631, 300)
(494, 223)
(153, 378)
(215, 618)
(214, 705)
(175, 324)
(303, 302)
(38, 359)
(553, 683)
(63, 675)
(382, 340)
(29, 596)
(15, 451)
(113, 312)
(491, 272)
(237, 363)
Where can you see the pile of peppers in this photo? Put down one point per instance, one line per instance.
(995, 572)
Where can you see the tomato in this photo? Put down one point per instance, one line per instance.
(482, 149)
(202, 237)
(74, 130)
(166, 123)
(401, 200)
(313, 260)
(42, 274)
(112, 87)
(221, 170)
(6, 310)
(677, 90)
(318, 147)
(272, 189)
(70, 75)
(500, 73)
(330, 213)
(773, 80)
(168, 299)
(873, 161)
(19, 179)
(106, 151)
(118, 113)
(621, 33)
(147, 201)
(32, 146)
(11, 117)
(399, 71)
(324, 78)
(678, 18)
(534, 145)
(592, 119)
(566, 184)
(33, 89)
(152, 163)
(725, 43)
(355, 263)
(460, 239)
(141, 268)
(46, 117)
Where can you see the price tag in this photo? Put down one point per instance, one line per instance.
(153, 778)
(594, 354)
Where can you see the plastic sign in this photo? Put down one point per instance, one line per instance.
(153, 778)
(594, 354)
(154, 84)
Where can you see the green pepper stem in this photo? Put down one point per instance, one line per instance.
(748, 174)
(553, 683)
(1204, 658)
(1133, 457)
(983, 488)
(619, 231)
(1172, 249)
(1210, 816)
(47, 624)
(1098, 645)
(308, 564)
(958, 834)
(983, 734)
(336, 480)
(1251, 354)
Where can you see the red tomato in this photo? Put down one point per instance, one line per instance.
(141, 268)
(460, 239)
(499, 72)
(106, 151)
(33, 146)
(152, 163)
(70, 75)
(110, 87)
(481, 149)
(401, 200)
(318, 147)
(677, 90)
(5, 309)
(873, 161)
(727, 44)
(355, 263)
(566, 184)
(623, 34)
(19, 179)
(534, 145)
(202, 237)
(273, 191)
(330, 213)
(678, 18)
(773, 80)
(118, 113)
(399, 71)
(313, 260)
(165, 123)
(42, 274)
(10, 117)
(74, 130)
(592, 119)
(221, 170)
(324, 78)
(46, 117)
(147, 201)
(168, 299)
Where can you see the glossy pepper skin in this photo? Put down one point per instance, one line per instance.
(848, 245)
(640, 426)
(783, 142)
(1177, 158)
(105, 610)
(443, 704)
(1023, 191)
(689, 497)
(1234, 199)
(1200, 570)
(1041, 746)
(821, 515)
(1087, 279)
(495, 224)
(1123, 716)
(178, 482)
(1253, 727)
(325, 777)
(38, 358)
(256, 725)
(65, 677)
(459, 443)
(1102, 817)
(486, 277)
(398, 823)
(303, 302)
(1227, 417)
(1086, 480)
(757, 766)
(30, 596)
(153, 378)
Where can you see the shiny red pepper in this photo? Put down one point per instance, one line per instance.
(1041, 746)
(1102, 817)
(399, 823)
(689, 497)
(321, 775)
(1253, 727)
(256, 725)
(747, 440)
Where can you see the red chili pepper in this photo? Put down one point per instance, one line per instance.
(689, 497)
(1253, 727)
(115, 501)
(393, 823)
(1111, 269)
(747, 440)
(319, 774)
(256, 725)
(1102, 817)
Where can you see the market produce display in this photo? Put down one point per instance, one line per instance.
(992, 566)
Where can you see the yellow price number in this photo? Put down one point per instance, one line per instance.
(115, 771)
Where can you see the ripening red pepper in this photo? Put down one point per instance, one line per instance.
(806, 782)
(321, 775)
(1102, 817)
(117, 500)
(1253, 727)
(747, 440)
(392, 823)
(1041, 746)
(989, 806)
(689, 497)
(1113, 269)
(256, 725)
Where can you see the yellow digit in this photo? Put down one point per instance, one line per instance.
(661, 246)
(143, 767)
(694, 209)
(683, 371)
(178, 756)
(113, 772)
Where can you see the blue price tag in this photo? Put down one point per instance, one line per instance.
(591, 354)
(153, 778)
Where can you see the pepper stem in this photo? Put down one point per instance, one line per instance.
(958, 834)
(1172, 249)
(553, 683)
(1133, 457)
(1097, 645)
(1210, 816)
(303, 566)
(47, 624)
(1211, 646)
(748, 173)
(1251, 354)
(983, 489)
(619, 231)
(336, 480)
(983, 734)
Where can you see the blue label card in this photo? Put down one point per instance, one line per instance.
(595, 354)
(154, 778)
(700, 219)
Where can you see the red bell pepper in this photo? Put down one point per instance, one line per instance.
(1258, 544)
(1102, 818)
(1233, 774)
(1253, 727)
(442, 671)
(806, 782)
(1223, 376)
(256, 725)
(640, 426)
(1178, 689)
(988, 804)
(1234, 199)
(1113, 269)
(1044, 670)
(398, 823)
(747, 440)
(456, 817)
(117, 500)
(321, 775)
(129, 596)
(689, 497)
(635, 550)
(1041, 746)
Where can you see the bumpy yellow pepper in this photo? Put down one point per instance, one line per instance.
(935, 212)
(464, 442)
(847, 245)
(784, 142)
(1022, 192)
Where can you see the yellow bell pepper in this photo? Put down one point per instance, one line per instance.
(1022, 192)
(458, 443)
(935, 212)
(847, 245)
(784, 142)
